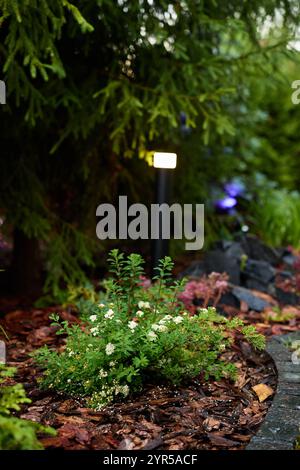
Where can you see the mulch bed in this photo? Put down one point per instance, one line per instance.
(200, 415)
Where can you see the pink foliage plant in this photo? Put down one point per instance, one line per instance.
(207, 289)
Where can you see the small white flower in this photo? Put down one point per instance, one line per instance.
(163, 328)
(101, 305)
(152, 336)
(143, 304)
(203, 310)
(167, 317)
(109, 314)
(94, 331)
(110, 348)
(160, 327)
(69, 381)
(132, 325)
(139, 313)
(125, 390)
(177, 319)
(93, 317)
(71, 353)
(102, 373)
(112, 363)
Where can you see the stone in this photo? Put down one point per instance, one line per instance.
(275, 429)
(196, 269)
(269, 444)
(287, 298)
(281, 426)
(289, 259)
(257, 250)
(235, 250)
(2, 352)
(288, 402)
(291, 377)
(258, 274)
(218, 261)
(229, 299)
(253, 302)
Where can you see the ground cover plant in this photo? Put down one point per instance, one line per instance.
(137, 335)
(16, 433)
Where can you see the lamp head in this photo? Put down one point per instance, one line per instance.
(164, 160)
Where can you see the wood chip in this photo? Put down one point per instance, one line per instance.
(263, 391)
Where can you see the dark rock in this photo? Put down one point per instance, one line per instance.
(220, 262)
(258, 275)
(281, 426)
(256, 285)
(196, 269)
(269, 444)
(229, 299)
(231, 248)
(223, 244)
(289, 259)
(253, 302)
(260, 271)
(287, 298)
(257, 250)
(285, 274)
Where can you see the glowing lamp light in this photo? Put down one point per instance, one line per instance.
(164, 160)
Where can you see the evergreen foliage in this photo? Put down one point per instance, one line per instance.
(92, 84)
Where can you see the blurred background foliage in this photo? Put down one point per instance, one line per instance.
(93, 86)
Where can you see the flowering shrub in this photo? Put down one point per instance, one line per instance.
(207, 289)
(137, 335)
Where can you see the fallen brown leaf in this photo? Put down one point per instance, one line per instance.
(211, 423)
(263, 391)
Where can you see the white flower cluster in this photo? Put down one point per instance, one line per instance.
(178, 319)
(110, 349)
(94, 330)
(70, 352)
(107, 393)
(143, 304)
(152, 336)
(161, 326)
(109, 314)
(93, 317)
(123, 389)
(103, 373)
(169, 318)
(132, 325)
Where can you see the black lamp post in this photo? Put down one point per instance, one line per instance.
(164, 163)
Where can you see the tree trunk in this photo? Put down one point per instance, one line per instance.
(26, 267)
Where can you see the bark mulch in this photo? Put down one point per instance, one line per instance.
(199, 415)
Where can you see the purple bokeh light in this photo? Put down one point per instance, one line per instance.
(234, 188)
(226, 203)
